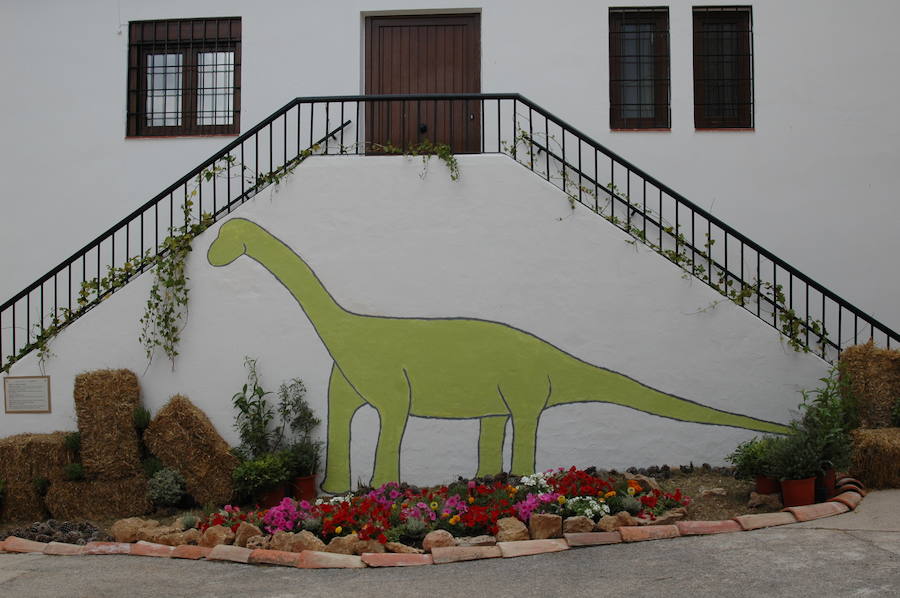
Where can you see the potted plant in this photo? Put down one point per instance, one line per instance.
(263, 480)
(795, 461)
(302, 456)
(752, 460)
(828, 417)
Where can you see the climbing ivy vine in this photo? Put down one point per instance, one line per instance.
(166, 310)
(793, 328)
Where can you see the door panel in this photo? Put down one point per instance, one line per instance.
(424, 54)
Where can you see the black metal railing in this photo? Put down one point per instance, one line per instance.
(809, 316)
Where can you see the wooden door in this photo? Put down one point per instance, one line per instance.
(424, 54)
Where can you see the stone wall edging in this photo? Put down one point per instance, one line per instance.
(848, 500)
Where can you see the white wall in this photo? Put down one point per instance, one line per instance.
(498, 244)
(814, 183)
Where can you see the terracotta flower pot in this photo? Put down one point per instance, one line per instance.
(796, 493)
(305, 488)
(271, 497)
(767, 485)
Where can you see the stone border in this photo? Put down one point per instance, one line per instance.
(849, 497)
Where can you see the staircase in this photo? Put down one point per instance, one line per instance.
(810, 317)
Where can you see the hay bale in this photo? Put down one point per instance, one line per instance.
(105, 401)
(184, 439)
(98, 499)
(876, 457)
(874, 381)
(23, 458)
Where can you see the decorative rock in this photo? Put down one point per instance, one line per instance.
(215, 535)
(529, 547)
(274, 557)
(281, 541)
(150, 549)
(194, 553)
(649, 532)
(701, 528)
(126, 530)
(454, 554)
(773, 501)
(761, 520)
(340, 544)
(593, 538)
(510, 529)
(259, 543)
(14, 544)
(476, 541)
(107, 548)
(192, 536)
(825, 509)
(398, 548)
(670, 517)
(713, 492)
(438, 538)
(244, 532)
(368, 546)
(62, 549)
(306, 541)
(542, 526)
(224, 552)
(647, 484)
(578, 525)
(168, 535)
(310, 559)
(611, 523)
(374, 559)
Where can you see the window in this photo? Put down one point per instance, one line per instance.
(639, 68)
(184, 77)
(723, 68)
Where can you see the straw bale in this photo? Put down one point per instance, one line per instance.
(876, 457)
(105, 401)
(23, 458)
(184, 439)
(875, 382)
(98, 499)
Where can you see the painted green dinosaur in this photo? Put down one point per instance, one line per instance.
(449, 368)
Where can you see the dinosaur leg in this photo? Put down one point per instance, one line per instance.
(343, 401)
(393, 415)
(524, 442)
(490, 444)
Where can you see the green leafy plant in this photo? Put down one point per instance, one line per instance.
(302, 455)
(166, 488)
(151, 465)
(795, 456)
(752, 458)
(72, 441)
(258, 475)
(189, 521)
(828, 414)
(141, 418)
(74, 472)
(254, 415)
(41, 486)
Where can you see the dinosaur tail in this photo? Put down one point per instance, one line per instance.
(588, 383)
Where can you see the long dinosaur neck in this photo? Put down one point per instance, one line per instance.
(299, 279)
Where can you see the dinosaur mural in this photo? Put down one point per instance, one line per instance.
(453, 368)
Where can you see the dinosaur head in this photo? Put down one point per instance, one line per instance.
(229, 245)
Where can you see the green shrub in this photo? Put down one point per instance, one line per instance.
(166, 488)
(41, 486)
(828, 416)
(141, 418)
(795, 456)
(189, 521)
(257, 475)
(303, 457)
(752, 458)
(74, 472)
(72, 441)
(151, 465)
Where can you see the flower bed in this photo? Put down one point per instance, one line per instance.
(402, 513)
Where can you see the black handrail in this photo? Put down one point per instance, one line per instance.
(505, 121)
